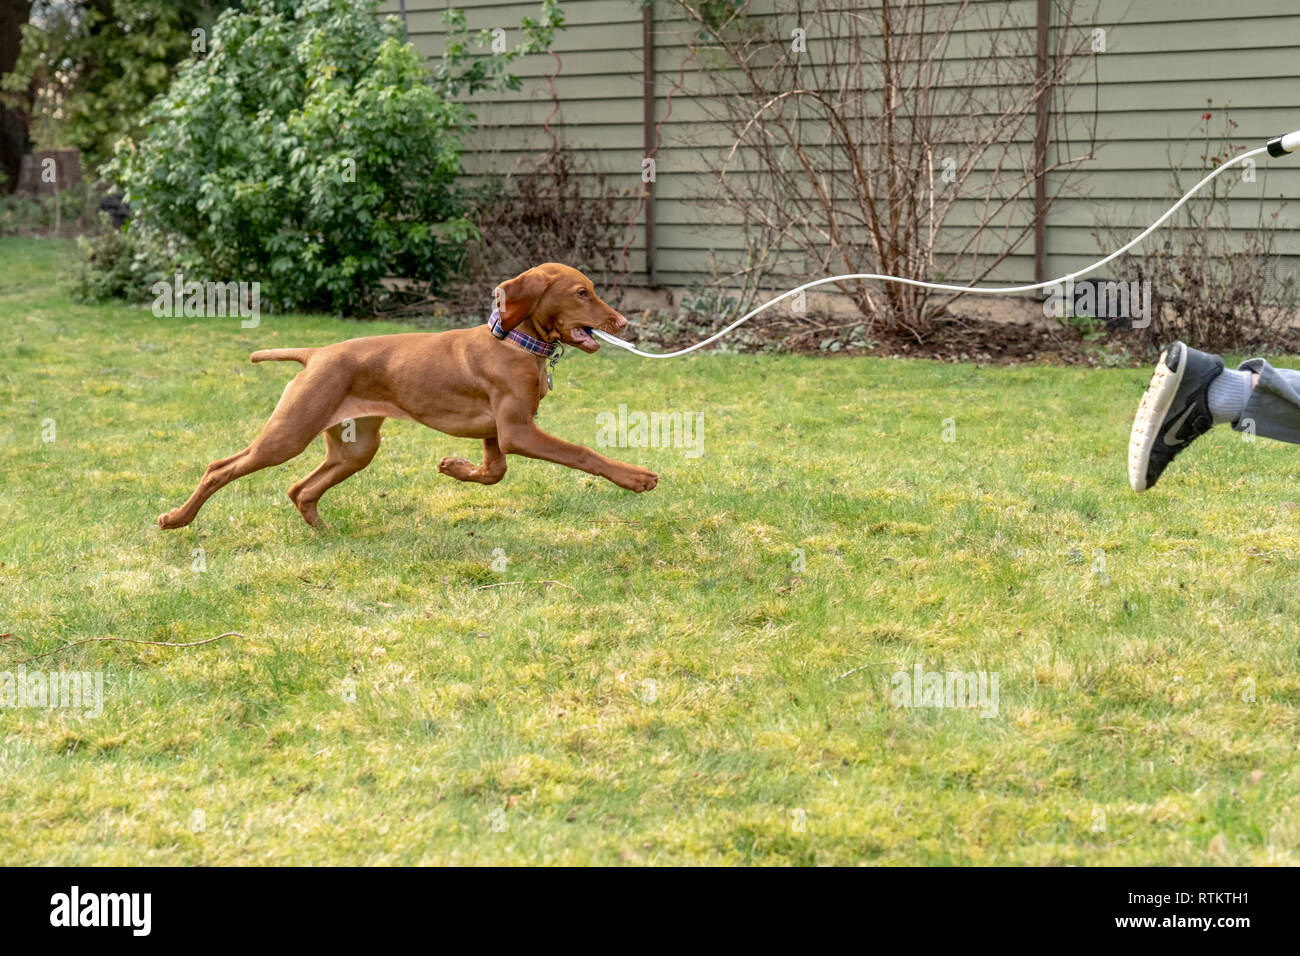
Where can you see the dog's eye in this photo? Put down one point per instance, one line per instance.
(582, 293)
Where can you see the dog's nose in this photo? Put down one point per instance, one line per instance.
(620, 323)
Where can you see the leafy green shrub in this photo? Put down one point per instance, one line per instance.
(311, 151)
(24, 216)
(73, 210)
(112, 264)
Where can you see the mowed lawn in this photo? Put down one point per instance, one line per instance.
(684, 694)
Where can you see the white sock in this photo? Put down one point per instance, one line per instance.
(1227, 395)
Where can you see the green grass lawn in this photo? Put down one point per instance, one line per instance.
(687, 696)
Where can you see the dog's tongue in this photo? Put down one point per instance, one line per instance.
(583, 335)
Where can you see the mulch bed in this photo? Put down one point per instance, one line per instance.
(1001, 343)
(952, 340)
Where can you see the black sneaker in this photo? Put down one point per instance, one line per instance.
(1173, 412)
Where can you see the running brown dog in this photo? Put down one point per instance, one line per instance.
(466, 382)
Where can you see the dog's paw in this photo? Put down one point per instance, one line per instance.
(456, 467)
(170, 520)
(637, 479)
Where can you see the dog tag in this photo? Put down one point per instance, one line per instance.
(550, 382)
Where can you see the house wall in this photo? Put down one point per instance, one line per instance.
(1166, 63)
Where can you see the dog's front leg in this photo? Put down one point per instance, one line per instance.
(525, 438)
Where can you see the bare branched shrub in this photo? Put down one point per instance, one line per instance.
(559, 210)
(898, 139)
(1214, 287)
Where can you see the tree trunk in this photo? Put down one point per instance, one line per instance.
(13, 124)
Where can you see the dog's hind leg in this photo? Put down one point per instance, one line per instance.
(490, 472)
(347, 451)
(305, 409)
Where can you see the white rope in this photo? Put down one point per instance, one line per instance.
(978, 290)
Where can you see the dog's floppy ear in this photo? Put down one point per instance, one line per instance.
(515, 299)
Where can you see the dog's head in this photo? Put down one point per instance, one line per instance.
(560, 302)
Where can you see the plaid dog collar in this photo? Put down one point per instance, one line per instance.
(547, 350)
(523, 340)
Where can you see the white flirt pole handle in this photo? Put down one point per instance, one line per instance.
(1284, 144)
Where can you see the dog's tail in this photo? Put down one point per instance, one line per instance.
(282, 355)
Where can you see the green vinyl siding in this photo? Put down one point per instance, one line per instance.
(1164, 61)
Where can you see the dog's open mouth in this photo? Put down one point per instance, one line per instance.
(582, 338)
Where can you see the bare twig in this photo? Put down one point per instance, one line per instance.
(125, 640)
(502, 584)
(848, 672)
(320, 587)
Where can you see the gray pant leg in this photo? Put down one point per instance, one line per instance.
(1273, 409)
